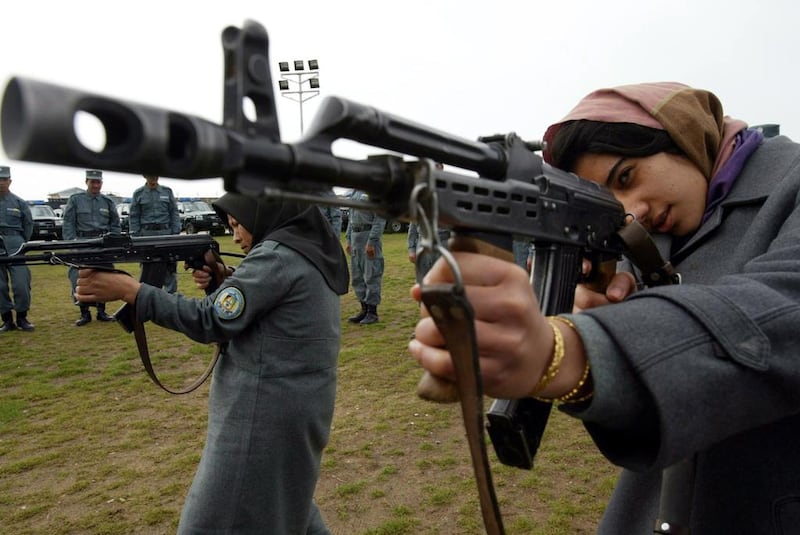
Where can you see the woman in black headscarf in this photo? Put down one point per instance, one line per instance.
(272, 396)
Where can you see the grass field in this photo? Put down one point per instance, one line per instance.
(88, 445)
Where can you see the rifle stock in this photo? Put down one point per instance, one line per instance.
(515, 195)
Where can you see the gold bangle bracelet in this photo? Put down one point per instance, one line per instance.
(583, 382)
(563, 320)
(555, 361)
(570, 397)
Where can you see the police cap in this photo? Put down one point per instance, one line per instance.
(93, 174)
(5, 172)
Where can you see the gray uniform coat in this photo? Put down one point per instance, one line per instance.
(90, 216)
(16, 227)
(154, 212)
(272, 392)
(366, 274)
(711, 366)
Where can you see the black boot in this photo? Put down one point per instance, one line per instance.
(360, 316)
(8, 322)
(101, 313)
(85, 318)
(23, 323)
(371, 316)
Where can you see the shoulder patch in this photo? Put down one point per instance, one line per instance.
(229, 303)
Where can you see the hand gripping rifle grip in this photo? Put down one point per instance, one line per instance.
(213, 260)
(430, 387)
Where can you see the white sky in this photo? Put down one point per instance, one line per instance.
(466, 67)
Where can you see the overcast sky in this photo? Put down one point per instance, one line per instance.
(467, 67)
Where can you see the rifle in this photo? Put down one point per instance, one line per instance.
(516, 195)
(152, 251)
(155, 253)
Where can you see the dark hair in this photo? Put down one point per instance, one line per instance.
(575, 138)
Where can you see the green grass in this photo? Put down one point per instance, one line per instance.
(88, 445)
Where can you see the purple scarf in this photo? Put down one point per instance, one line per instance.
(746, 142)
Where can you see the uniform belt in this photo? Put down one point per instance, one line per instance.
(89, 233)
(361, 228)
(155, 226)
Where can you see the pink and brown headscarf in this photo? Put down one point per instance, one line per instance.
(692, 117)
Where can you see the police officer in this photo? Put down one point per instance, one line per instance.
(90, 214)
(424, 260)
(154, 212)
(364, 240)
(16, 227)
(333, 214)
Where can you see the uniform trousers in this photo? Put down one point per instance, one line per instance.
(366, 272)
(17, 279)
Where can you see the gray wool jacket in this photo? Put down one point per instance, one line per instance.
(710, 367)
(272, 394)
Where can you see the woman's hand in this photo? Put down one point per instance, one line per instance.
(202, 277)
(620, 286)
(515, 341)
(213, 270)
(103, 286)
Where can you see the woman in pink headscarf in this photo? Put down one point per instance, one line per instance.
(705, 374)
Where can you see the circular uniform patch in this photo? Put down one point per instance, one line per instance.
(229, 303)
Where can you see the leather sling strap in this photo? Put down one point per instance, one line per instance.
(641, 250)
(454, 317)
(144, 353)
(126, 317)
(677, 481)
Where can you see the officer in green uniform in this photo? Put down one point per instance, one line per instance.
(154, 212)
(90, 214)
(16, 227)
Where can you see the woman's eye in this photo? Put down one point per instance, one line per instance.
(624, 178)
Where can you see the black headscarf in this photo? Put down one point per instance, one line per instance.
(300, 227)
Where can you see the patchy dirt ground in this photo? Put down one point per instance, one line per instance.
(89, 446)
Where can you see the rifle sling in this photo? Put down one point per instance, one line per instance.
(641, 250)
(144, 353)
(454, 317)
(127, 318)
(677, 481)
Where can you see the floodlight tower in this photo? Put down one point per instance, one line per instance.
(299, 77)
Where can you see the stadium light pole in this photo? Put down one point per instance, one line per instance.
(294, 81)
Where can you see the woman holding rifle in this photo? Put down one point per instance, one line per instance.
(708, 370)
(277, 319)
